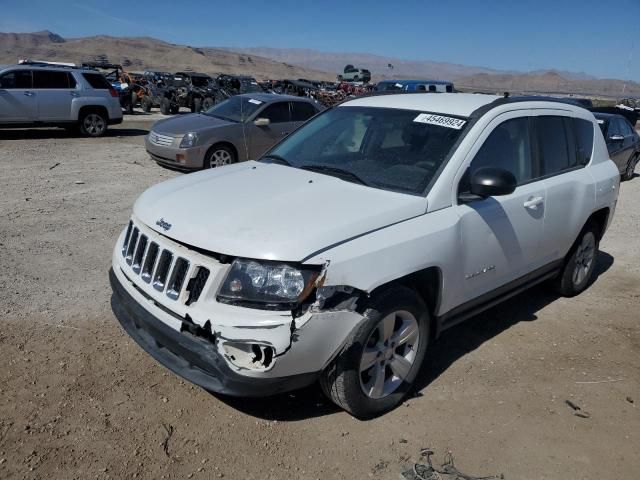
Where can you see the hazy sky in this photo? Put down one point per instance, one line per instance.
(598, 37)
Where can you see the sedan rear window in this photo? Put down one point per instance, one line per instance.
(97, 80)
(391, 149)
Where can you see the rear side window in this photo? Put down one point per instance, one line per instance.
(276, 112)
(625, 127)
(16, 79)
(302, 111)
(50, 79)
(583, 131)
(553, 145)
(508, 147)
(96, 80)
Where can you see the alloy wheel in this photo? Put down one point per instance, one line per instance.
(219, 158)
(585, 256)
(94, 124)
(389, 354)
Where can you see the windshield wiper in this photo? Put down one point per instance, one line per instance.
(336, 172)
(277, 159)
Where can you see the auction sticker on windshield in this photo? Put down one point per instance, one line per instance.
(253, 100)
(448, 122)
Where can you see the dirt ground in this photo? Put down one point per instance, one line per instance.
(80, 400)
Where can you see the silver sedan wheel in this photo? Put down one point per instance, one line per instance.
(389, 354)
(219, 158)
(94, 124)
(585, 256)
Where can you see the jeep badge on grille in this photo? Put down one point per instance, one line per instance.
(162, 223)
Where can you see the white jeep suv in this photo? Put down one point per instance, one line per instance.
(353, 243)
(41, 95)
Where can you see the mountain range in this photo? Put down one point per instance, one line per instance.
(140, 53)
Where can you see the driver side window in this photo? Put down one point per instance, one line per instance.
(508, 147)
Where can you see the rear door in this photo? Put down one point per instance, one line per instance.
(55, 91)
(564, 146)
(18, 102)
(280, 124)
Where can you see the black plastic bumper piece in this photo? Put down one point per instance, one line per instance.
(193, 358)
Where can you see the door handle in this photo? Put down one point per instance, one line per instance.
(74, 94)
(533, 203)
(285, 133)
(28, 94)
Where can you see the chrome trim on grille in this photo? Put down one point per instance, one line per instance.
(161, 140)
(165, 270)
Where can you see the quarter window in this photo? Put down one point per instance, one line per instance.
(584, 140)
(96, 81)
(16, 79)
(508, 147)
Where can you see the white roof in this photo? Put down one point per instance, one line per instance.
(459, 104)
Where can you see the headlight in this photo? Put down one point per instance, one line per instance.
(189, 140)
(266, 285)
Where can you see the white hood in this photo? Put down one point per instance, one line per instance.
(269, 211)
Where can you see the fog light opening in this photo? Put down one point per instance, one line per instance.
(251, 356)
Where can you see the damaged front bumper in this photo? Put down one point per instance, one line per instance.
(224, 348)
(193, 358)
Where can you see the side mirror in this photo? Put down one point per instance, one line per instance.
(492, 182)
(616, 138)
(262, 122)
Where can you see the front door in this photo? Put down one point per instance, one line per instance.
(262, 138)
(501, 236)
(18, 102)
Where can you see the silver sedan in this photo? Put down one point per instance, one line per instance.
(240, 128)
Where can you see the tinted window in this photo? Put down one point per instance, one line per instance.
(553, 145)
(508, 147)
(613, 128)
(276, 112)
(302, 111)
(16, 79)
(97, 81)
(50, 79)
(583, 131)
(625, 127)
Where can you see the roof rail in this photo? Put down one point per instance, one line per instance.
(44, 63)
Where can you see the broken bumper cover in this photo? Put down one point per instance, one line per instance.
(193, 358)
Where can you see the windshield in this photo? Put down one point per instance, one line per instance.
(391, 149)
(235, 109)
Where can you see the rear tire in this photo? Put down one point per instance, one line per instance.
(165, 106)
(174, 109)
(379, 362)
(580, 264)
(631, 167)
(146, 104)
(197, 105)
(93, 123)
(207, 103)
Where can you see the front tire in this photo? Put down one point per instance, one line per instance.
(378, 364)
(165, 106)
(580, 265)
(207, 103)
(219, 156)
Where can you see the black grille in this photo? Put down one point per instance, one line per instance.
(132, 245)
(162, 270)
(177, 278)
(196, 285)
(140, 249)
(150, 262)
